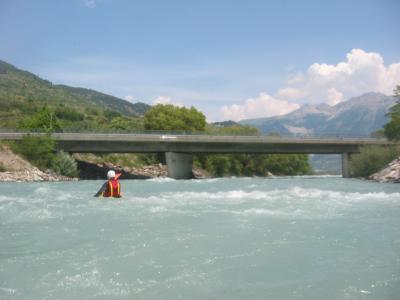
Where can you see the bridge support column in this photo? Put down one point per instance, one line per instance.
(346, 165)
(179, 165)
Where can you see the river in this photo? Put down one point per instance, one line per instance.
(233, 238)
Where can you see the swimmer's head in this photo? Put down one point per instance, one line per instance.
(110, 174)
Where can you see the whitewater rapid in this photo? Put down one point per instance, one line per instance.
(281, 238)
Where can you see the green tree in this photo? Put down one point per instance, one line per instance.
(234, 130)
(172, 118)
(392, 129)
(119, 123)
(44, 120)
(39, 150)
(371, 159)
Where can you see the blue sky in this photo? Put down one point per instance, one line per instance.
(230, 59)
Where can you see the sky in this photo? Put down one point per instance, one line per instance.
(230, 59)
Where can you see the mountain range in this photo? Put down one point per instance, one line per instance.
(358, 116)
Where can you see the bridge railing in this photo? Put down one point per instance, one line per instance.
(327, 136)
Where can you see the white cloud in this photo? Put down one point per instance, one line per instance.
(290, 93)
(166, 100)
(262, 106)
(129, 98)
(90, 3)
(334, 97)
(295, 78)
(162, 100)
(360, 73)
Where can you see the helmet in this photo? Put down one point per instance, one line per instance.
(110, 174)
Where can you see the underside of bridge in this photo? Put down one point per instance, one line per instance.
(179, 165)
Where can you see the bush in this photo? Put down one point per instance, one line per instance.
(2, 167)
(372, 159)
(64, 164)
(39, 150)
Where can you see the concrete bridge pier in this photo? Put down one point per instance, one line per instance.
(179, 165)
(346, 165)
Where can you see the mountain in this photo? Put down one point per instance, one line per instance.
(22, 93)
(225, 124)
(358, 116)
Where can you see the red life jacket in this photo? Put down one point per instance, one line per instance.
(113, 189)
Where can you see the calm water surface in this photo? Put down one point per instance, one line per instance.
(283, 238)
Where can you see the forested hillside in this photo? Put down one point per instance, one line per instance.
(23, 94)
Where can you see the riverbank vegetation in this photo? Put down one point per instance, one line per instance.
(372, 159)
(41, 152)
(392, 128)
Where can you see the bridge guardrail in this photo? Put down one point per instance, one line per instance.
(185, 133)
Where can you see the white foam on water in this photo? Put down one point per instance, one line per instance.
(158, 209)
(314, 176)
(205, 181)
(38, 213)
(42, 190)
(65, 196)
(8, 291)
(295, 202)
(269, 212)
(226, 196)
(161, 179)
(6, 199)
(295, 194)
(93, 280)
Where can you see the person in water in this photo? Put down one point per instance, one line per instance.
(112, 187)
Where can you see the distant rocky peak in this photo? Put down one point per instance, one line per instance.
(310, 109)
(358, 116)
(371, 100)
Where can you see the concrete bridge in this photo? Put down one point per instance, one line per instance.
(180, 148)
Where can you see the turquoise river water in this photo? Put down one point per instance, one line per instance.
(234, 238)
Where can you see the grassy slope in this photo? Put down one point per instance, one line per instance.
(23, 93)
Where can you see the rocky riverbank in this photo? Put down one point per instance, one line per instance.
(33, 174)
(90, 170)
(391, 173)
(15, 168)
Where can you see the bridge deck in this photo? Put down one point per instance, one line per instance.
(125, 143)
